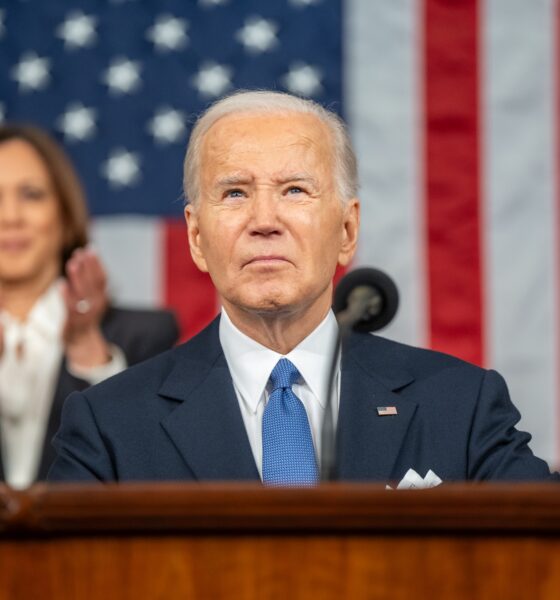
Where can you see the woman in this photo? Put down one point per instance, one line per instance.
(58, 332)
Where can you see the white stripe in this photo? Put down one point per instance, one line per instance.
(131, 248)
(520, 208)
(382, 104)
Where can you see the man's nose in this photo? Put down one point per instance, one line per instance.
(264, 213)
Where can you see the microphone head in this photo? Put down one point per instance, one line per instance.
(383, 289)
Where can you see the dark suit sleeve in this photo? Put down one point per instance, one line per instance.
(497, 450)
(141, 334)
(159, 335)
(82, 454)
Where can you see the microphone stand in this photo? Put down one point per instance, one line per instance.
(328, 434)
(361, 301)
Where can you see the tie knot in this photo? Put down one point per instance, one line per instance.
(284, 374)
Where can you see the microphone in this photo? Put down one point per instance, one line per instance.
(365, 300)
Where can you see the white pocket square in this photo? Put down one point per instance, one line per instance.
(413, 481)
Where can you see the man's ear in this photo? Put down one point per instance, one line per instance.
(193, 231)
(351, 226)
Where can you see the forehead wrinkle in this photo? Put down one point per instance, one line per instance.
(313, 144)
(216, 148)
(298, 176)
(280, 178)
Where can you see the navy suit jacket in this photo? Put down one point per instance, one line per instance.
(140, 334)
(176, 417)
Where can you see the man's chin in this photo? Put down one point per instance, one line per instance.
(268, 305)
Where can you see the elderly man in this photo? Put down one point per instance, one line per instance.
(271, 184)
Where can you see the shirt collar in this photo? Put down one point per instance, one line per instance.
(313, 356)
(251, 363)
(49, 312)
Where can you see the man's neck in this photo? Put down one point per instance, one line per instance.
(279, 331)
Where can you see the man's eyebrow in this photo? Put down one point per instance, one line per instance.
(280, 179)
(234, 180)
(295, 177)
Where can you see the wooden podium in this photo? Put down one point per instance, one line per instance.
(338, 541)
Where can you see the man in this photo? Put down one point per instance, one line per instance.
(271, 186)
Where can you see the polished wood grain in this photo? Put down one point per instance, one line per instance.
(248, 542)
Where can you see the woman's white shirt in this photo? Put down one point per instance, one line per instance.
(29, 369)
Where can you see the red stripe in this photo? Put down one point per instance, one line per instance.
(452, 178)
(339, 273)
(190, 293)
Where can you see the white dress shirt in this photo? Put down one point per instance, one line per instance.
(29, 369)
(251, 364)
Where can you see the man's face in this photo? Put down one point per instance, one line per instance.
(269, 226)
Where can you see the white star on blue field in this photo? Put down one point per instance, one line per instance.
(120, 83)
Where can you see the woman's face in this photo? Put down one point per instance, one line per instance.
(31, 229)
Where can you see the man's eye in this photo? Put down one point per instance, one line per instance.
(234, 193)
(295, 189)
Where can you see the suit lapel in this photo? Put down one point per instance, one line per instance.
(207, 427)
(368, 444)
(208, 430)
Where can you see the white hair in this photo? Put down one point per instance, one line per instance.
(262, 101)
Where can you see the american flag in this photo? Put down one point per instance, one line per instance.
(120, 83)
(385, 411)
(453, 108)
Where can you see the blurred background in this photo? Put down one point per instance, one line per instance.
(452, 106)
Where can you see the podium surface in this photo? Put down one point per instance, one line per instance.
(249, 542)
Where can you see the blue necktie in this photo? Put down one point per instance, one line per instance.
(288, 452)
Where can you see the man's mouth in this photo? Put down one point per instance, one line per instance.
(266, 259)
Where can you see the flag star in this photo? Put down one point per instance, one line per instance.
(210, 3)
(77, 123)
(167, 125)
(122, 168)
(303, 79)
(212, 79)
(123, 76)
(168, 33)
(258, 35)
(32, 72)
(304, 3)
(78, 30)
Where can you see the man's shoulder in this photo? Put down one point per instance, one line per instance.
(189, 359)
(419, 362)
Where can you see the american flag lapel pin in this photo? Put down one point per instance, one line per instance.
(385, 411)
